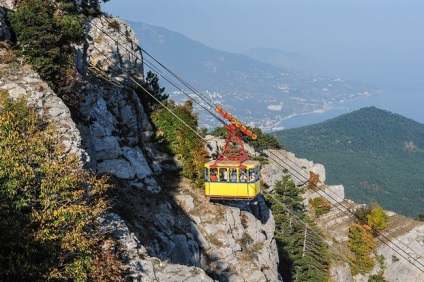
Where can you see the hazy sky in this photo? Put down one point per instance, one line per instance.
(335, 30)
(371, 40)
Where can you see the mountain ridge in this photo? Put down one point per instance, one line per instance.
(375, 153)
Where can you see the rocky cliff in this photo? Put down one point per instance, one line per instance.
(165, 230)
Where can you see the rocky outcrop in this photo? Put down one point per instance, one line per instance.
(141, 266)
(112, 47)
(399, 266)
(237, 239)
(19, 79)
(8, 4)
(112, 119)
(401, 247)
(182, 232)
(282, 162)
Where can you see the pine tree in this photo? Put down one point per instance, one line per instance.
(303, 255)
(37, 33)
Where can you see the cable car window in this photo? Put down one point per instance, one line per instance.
(214, 174)
(206, 174)
(242, 175)
(233, 174)
(252, 175)
(258, 172)
(223, 175)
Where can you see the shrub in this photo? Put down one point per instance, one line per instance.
(320, 205)
(363, 212)
(48, 205)
(46, 34)
(37, 33)
(180, 140)
(362, 245)
(377, 219)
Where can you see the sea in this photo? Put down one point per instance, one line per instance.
(401, 91)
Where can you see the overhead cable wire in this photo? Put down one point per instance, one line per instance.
(210, 103)
(151, 95)
(307, 226)
(299, 219)
(146, 62)
(185, 83)
(340, 198)
(408, 257)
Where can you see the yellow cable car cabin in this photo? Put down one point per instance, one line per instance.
(232, 175)
(232, 180)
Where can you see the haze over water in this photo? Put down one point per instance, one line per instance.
(379, 42)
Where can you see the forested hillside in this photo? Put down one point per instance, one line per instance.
(375, 154)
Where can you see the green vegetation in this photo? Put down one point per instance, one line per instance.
(179, 140)
(303, 255)
(377, 218)
(375, 154)
(320, 206)
(172, 135)
(151, 84)
(49, 206)
(37, 33)
(46, 32)
(377, 277)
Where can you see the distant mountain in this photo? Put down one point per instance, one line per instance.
(286, 60)
(257, 93)
(375, 154)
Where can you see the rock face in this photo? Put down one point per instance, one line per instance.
(301, 171)
(112, 120)
(112, 47)
(397, 267)
(140, 265)
(20, 80)
(9, 4)
(182, 233)
(160, 236)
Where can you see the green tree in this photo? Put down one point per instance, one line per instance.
(377, 277)
(151, 85)
(303, 255)
(46, 32)
(37, 33)
(180, 140)
(49, 206)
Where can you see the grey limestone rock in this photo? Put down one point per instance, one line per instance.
(117, 167)
(23, 81)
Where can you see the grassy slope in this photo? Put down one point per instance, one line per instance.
(365, 151)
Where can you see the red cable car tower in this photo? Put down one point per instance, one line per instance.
(234, 136)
